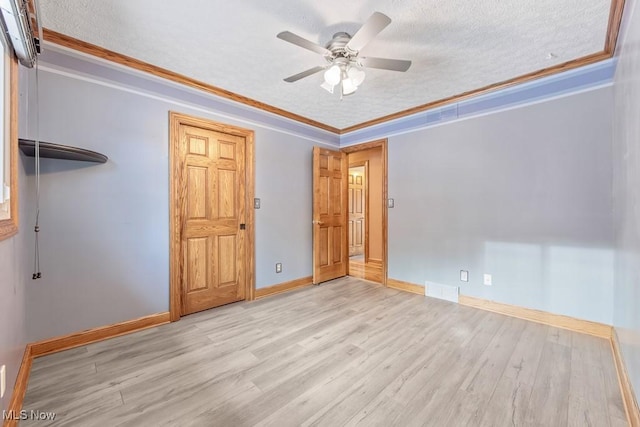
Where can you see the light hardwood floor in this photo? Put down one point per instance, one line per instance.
(347, 352)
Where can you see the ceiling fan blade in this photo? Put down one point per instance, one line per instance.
(376, 23)
(302, 42)
(386, 64)
(303, 74)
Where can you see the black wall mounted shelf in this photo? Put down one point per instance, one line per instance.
(58, 151)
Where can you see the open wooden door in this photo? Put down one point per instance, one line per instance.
(330, 243)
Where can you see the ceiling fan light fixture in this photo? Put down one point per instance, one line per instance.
(356, 75)
(348, 86)
(326, 86)
(332, 75)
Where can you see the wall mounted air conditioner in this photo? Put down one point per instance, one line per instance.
(17, 22)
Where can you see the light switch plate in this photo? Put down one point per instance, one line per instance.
(390, 203)
(279, 267)
(256, 203)
(3, 380)
(464, 276)
(487, 279)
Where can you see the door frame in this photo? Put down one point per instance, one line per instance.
(382, 143)
(364, 163)
(175, 265)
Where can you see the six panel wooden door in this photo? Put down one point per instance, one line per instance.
(213, 211)
(356, 212)
(330, 251)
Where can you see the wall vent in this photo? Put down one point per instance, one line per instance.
(445, 292)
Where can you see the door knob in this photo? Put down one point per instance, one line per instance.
(318, 222)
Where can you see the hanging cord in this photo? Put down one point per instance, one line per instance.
(36, 229)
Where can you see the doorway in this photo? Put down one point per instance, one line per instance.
(357, 213)
(211, 220)
(367, 224)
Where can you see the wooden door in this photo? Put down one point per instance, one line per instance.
(213, 214)
(330, 251)
(357, 203)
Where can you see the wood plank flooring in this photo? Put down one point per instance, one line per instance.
(347, 352)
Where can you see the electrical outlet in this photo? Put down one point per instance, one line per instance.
(464, 276)
(487, 279)
(3, 380)
(279, 267)
(390, 203)
(256, 203)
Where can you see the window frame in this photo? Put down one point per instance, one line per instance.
(9, 226)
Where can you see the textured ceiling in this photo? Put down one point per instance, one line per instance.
(455, 45)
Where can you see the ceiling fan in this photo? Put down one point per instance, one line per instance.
(345, 67)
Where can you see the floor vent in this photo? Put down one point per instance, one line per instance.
(445, 292)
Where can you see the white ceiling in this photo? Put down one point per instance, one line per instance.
(455, 45)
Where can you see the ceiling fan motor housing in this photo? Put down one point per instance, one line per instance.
(338, 47)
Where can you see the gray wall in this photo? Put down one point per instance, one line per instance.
(522, 194)
(626, 161)
(14, 278)
(105, 247)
